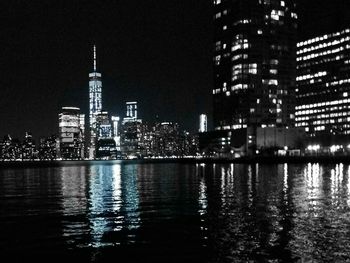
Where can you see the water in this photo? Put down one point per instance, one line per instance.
(104, 212)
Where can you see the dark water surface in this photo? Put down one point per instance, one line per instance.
(110, 212)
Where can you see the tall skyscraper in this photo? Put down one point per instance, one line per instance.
(203, 123)
(95, 105)
(323, 84)
(254, 63)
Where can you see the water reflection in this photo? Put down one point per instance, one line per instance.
(348, 178)
(279, 212)
(97, 202)
(180, 212)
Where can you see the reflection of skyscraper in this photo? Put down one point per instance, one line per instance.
(95, 105)
(114, 192)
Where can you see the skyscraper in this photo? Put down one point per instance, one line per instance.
(203, 123)
(95, 105)
(70, 133)
(323, 85)
(254, 63)
(131, 109)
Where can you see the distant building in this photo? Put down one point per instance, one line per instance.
(104, 125)
(203, 123)
(49, 148)
(130, 137)
(254, 63)
(116, 130)
(11, 149)
(28, 147)
(166, 139)
(131, 132)
(323, 87)
(70, 134)
(95, 106)
(83, 135)
(105, 144)
(131, 109)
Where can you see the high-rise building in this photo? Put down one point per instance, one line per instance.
(323, 84)
(70, 133)
(83, 135)
(131, 109)
(105, 144)
(95, 105)
(203, 123)
(116, 133)
(104, 126)
(254, 63)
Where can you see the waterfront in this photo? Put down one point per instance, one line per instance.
(169, 212)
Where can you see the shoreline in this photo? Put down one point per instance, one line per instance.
(242, 160)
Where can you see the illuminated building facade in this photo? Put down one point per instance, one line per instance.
(70, 134)
(104, 126)
(83, 135)
(28, 147)
(116, 133)
(105, 144)
(49, 148)
(131, 131)
(130, 136)
(131, 109)
(95, 105)
(203, 123)
(254, 63)
(323, 84)
(166, 139)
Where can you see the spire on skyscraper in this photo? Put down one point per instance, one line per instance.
(94, 58)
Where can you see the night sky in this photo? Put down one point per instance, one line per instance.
(155, 52)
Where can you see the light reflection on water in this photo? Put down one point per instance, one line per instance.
(203, 212)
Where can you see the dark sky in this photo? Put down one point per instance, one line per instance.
(155, 52)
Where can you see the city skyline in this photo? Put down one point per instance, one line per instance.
(47, 63)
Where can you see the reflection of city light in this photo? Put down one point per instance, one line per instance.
(74, 201)
(223, 184)
(250, 178)
(117, 200)
(202, 197)
(313, 181)
(97, 194)
(348, 185)
(131, 197)
(336, 180)
(285, 179)
(203, 204)
(312, 175)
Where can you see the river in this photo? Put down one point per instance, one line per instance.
(139, 212)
